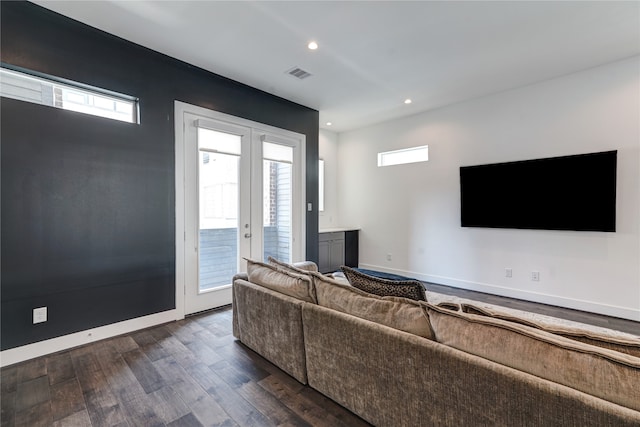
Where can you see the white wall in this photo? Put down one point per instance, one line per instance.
(413, 211)
(328, 151)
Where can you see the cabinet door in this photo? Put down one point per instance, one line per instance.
(324, 256)
(337, 254)
(351, 248)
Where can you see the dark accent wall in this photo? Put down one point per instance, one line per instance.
(88, 204)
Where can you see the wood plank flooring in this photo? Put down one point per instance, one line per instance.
(190, 373)
(186, 373)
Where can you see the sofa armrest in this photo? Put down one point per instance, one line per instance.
(236, 329)
(270, 323)
(241, 276)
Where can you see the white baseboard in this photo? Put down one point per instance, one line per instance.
(53, 345)
(582, 305)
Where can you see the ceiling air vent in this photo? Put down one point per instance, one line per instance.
(298, 73)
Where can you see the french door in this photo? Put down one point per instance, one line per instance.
(239, 194)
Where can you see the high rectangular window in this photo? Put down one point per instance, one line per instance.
(67, 96)
(321, 185)
(406, 155)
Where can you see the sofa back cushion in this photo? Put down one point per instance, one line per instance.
(398, 313)
(295, 285)
(593, 370)
(412, 289)
(623, 344)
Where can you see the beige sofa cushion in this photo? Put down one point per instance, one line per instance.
(627, 345)
(600, 372)
(398, 313)
(295, 285)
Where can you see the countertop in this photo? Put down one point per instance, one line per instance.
(337, 229)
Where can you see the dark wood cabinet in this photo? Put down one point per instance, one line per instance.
(351, 248)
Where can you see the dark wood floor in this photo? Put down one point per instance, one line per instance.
(186, 373)
(189, 373)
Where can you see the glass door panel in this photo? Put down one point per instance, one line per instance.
(217, 210)
(277, 197)
(218, 182)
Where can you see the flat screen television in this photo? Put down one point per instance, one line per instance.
(559, 193)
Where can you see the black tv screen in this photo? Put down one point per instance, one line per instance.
(559, 193)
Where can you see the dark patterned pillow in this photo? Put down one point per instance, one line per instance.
(412, 289)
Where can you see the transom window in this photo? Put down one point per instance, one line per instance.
(67, 96)
(404, 156)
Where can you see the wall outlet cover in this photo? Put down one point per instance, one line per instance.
(39, 315)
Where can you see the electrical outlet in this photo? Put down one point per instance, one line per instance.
(39, 315)
(535, 276)
(508, 272)
(389, 257)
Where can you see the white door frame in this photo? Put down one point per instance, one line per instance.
(195, 300)
(258, 129)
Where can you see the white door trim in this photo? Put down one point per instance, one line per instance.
(197, 300)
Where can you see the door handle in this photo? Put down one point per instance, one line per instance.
(247, 235)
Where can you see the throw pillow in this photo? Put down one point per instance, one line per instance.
(412, 289)
(295, 285)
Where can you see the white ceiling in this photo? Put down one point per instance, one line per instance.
(374, 54)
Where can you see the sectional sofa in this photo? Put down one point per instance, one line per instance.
(399, 362)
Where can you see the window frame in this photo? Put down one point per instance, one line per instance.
(63, 88)
(399, 157)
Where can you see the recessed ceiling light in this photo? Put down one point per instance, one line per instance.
(329, 123)
(407, 101)
(312, 45)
